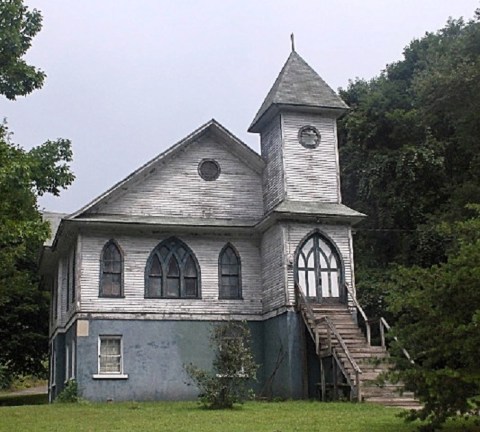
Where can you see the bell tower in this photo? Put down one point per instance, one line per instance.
(297, 123)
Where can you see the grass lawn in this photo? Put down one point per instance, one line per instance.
(187, 416)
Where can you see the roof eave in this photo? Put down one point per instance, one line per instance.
(259, 123)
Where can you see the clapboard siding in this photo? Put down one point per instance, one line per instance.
(64, 311)
(273, 176)
(273, 270)
(174, 188)
(339, 234)
(137, 250)
(311, 174)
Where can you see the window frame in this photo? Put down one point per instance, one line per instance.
(181, 263)
(53, 365)
(318, 236)
(103, 272)
(106, 374)
(220, 273)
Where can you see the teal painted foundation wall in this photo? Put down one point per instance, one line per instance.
(155, 352)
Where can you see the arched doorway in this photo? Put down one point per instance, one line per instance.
(319, 270)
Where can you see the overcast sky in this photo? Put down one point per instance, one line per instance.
(127, 79)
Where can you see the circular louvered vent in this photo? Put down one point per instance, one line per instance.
(209, 169)
(309, 136)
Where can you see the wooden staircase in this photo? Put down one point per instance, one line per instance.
(338, 337)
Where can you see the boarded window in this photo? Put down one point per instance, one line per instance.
(111, 273)
(172, 271)
(229, 274)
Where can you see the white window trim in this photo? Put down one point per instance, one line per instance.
(72, 375)
(53, 367)
(111, 375)
(67, 363)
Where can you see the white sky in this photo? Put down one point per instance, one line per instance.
(127, 79)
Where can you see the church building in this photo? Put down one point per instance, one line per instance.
(210, 231)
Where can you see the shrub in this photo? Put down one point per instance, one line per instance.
(233, 367)
(69, 394)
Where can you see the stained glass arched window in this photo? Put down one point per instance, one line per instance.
(172, 271)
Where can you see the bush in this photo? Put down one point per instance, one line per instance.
(69, 394)
(233, 367)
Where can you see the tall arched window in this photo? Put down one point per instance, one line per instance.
(229, 273)
(319, 271)
(111, 280)
(172, 271)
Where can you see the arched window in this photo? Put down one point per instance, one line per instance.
(229, 273)
(111, 280)
(172, 271)
(319, 271)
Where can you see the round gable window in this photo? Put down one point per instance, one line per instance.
(209, 169)
(309, 136)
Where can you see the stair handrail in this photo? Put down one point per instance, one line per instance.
(346, 351)
(382, 323)
(340, 340)
(302, 301)
(364, 315)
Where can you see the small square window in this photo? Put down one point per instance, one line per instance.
(110, 355)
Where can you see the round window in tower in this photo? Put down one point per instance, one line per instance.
(309, 136)
(209, 169)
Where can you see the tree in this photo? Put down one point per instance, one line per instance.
(18, 26)
(24, 175)
(233, 367)
(410, 153)
(437, 312)
(410, 158)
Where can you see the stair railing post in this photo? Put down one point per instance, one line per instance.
(329, 340)
(359, 391)
(369, 333)
(382, 333)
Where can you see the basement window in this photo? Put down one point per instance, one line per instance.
(110, 358)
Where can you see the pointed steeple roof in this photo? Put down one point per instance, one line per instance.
(297, 85)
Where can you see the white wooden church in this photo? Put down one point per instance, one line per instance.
(209, 231)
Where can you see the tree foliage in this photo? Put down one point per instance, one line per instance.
(24, 175)
(233, 367)
(18, 26)
(410, 158)
(410, 153)
(437, 312)
(23, 304)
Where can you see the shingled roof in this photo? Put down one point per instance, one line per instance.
(300, 86)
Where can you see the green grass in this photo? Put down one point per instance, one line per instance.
(188, 417)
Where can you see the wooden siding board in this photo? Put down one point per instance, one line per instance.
(311, 174)
(273, 270)
(273, 174)
(176, 189)
(137, 249)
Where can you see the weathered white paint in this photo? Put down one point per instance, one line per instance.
(273, 173)
(310, 174)
(137, 249)
(273, 272)
(65, 311)
(176, 189)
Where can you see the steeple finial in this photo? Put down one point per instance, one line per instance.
(292, 37)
